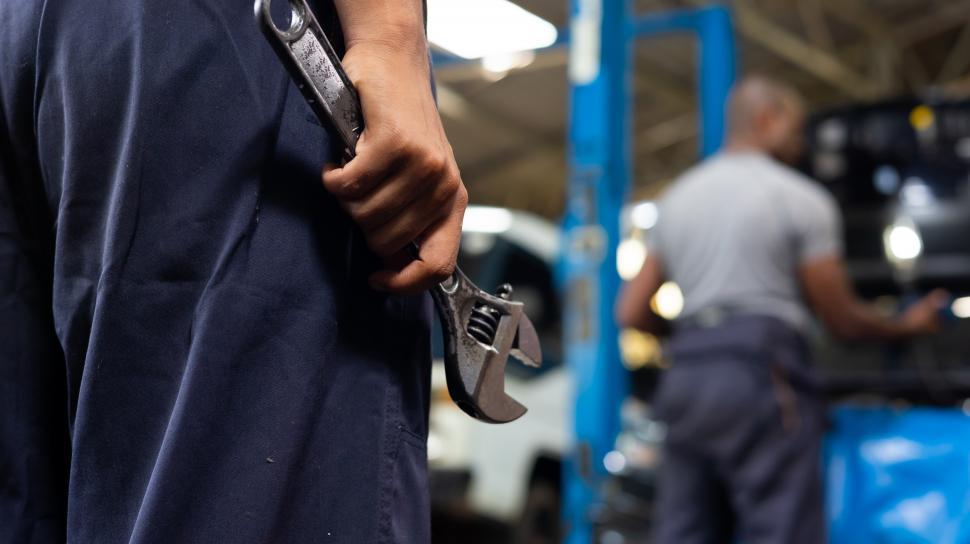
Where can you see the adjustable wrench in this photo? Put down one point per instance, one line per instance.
(480, 330)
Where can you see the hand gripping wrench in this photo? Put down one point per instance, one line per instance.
(480, 330)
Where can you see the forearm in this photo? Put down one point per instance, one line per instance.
(828, 289)
(633, 311)
(632, 307)
(397, 25)
(861, 321)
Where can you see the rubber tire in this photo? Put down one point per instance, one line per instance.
(540, 522)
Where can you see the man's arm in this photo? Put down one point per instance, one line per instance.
(632, 308)
(403, 184)
(828, 290)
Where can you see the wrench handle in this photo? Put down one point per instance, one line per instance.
(312, 62)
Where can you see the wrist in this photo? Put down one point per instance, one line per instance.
(366, 60)
(389, 50)
(396, 27)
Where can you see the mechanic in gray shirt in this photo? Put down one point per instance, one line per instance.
(760, 219)
(756, 249)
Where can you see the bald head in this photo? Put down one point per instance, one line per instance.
(766, 115)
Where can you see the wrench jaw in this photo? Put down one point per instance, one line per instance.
(476, 369)
(476, 382)
(526, 347)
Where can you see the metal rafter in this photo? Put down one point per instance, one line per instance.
(813, 18)
(944, 16)
(760, 29)
(958, 60)
(885, 49)
(454, 105)
(889, 47)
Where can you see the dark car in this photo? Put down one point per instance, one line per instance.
(900, 171)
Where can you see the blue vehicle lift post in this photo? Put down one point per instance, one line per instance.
(602, 35)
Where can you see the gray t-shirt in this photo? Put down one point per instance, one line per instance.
(732, 231)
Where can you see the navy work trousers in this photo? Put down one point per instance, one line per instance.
(742, 455)
(189, 351)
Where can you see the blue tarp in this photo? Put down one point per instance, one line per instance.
(898, 476)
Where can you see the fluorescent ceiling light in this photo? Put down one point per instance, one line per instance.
(474, 29)
(501, 63)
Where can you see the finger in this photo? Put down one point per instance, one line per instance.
(429, 180)
(390, 200)
(410, 223)
(416, 277)
(439, 249)
(398, 260)
(362, 174)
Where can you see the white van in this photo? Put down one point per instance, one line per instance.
(508, 472)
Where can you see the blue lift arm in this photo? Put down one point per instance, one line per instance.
(601, 38)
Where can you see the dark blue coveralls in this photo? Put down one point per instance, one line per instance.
(745, 424)
(189, 351)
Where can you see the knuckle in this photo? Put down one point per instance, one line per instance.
(449, 189)
(461, 199)
(451, 182)
(393, 242)
(365, 215)
(402, 147)
(433, 165)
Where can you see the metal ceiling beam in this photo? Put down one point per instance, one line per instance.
(666, 133)
(939, 19)
(650, 79)
(958, 60)
(887, 60)
(857, 14)
(453, 105)
(514, 155)
(760, 29)
(532, 178)
(813, 17)
(658, 82)
(890, 46)
(892, 43)
(656, 138)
